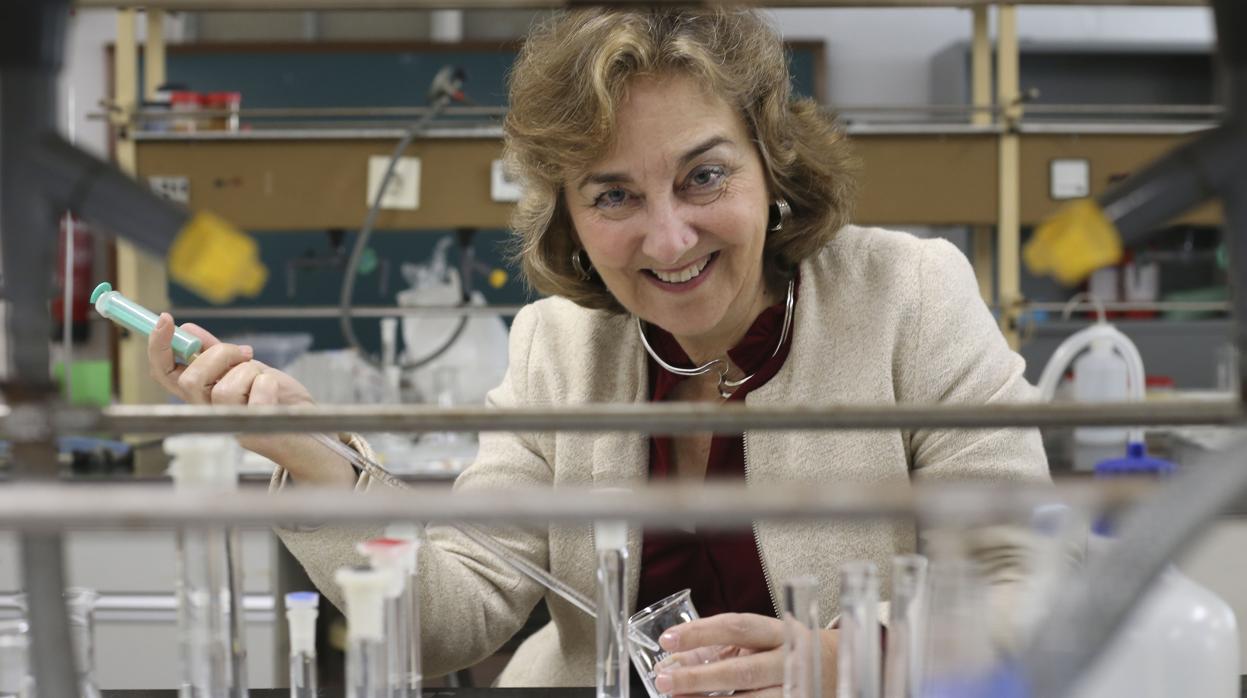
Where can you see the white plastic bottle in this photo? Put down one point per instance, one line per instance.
(1182, 640)
(1101, 375)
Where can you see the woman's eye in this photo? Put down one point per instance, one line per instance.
(611, 198)
(706, 178)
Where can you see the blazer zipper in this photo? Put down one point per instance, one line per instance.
(766, 570)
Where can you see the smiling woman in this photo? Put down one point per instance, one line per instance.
(571, 109)
(689, 220)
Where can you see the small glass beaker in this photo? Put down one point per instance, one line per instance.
(15, 680)
(647, 626)
(80, 612)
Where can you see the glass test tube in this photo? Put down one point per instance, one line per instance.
(302, 608)
(960, 653)
(859, 667)
(903, 662)
(80, 605)
(409, 607)
(393, 556)
(802, 640)
(210, 623)
(611, 541)
(365, 589)
(15, 679)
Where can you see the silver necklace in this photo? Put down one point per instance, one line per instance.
(726, 387)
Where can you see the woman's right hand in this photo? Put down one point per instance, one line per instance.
(227, 374)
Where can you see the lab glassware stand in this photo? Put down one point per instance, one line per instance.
(42, 175)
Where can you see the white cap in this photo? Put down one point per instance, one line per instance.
(392, 556)
(301, 610)
(610, 535)
(203, 461)
(364, 589)
(411, 532)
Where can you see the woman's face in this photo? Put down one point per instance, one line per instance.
(674, 217)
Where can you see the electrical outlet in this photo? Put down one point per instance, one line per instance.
(172, 188)
(502, 187)
(1069, 178)
(403, 192)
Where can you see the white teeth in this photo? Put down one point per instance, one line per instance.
(685, 275)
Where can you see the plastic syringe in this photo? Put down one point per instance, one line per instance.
(134, 317)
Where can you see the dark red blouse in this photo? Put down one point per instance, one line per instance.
(722, 568)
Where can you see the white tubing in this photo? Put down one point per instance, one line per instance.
(1076, 343)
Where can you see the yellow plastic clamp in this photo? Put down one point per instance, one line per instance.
(216, 260)
(1073, 243)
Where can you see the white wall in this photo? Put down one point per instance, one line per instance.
(874, 56)
(881, 56)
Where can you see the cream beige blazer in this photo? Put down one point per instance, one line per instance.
(882, 318)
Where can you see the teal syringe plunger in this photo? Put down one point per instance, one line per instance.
(134, 317)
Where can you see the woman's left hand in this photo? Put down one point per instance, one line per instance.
(741, 652)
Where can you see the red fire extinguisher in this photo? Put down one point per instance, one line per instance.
(81, 243)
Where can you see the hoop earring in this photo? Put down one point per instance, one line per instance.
(780, 212)
(584, 271)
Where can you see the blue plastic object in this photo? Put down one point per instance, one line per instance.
(1137, 463)
(1005, 681)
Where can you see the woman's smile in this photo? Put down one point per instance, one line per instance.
(683, 279)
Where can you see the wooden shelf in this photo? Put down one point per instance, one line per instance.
(316, 180)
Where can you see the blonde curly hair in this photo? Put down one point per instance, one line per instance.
(572, 74)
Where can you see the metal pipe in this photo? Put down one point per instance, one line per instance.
(35, 507)
(277, 113)
(1086, 307)
(675, 418)
(257, 5)
(326, 311)
(32, 33)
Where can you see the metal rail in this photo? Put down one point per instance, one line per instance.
(150, 114)
(249, 5)
(639, 418)
(36, 507)
(326, 311)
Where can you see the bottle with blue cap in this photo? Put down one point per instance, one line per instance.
(1182, 639)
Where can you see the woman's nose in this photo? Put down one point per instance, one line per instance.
(668, 236)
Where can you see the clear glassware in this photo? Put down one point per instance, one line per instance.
(803, 666)
(611, 540)
(960, 656)
(903, 660)
(859, 666)
(209, 584)
(15, 679)
(80, 607)
(365, 590)
(646, 626)
(302, 607)
(80, 612)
